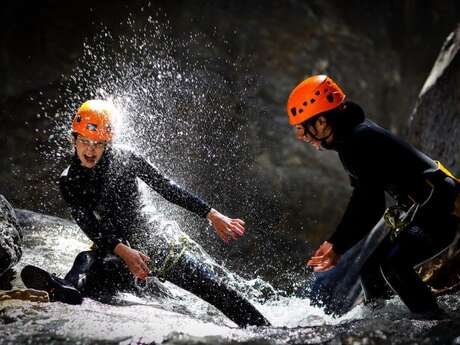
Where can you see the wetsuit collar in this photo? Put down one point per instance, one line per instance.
(342, 129)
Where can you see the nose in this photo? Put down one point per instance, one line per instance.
(91, 148)
(299, 133)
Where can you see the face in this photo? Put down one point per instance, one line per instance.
(89, 151)
(319, 129)
(303, 135)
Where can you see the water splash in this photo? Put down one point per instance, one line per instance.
(175, 108)
(172, 109)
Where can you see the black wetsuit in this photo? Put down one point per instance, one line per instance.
(105, 202)
(378, 162)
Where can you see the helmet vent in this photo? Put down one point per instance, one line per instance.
(294, 111)
(330, 97)
(91, 127)
(304, 103)
(312, 100)
(317, 93)
(300, 111)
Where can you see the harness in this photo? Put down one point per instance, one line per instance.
(397, 219)
(170, 261)
(173, 257)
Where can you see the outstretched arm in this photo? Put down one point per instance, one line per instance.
(168, 189)
(227, 228)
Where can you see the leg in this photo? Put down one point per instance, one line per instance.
(99, 275)
(194, 276)
(414, 246)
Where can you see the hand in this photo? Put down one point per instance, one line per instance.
(324, 258)
(227, 228)
(134, 259)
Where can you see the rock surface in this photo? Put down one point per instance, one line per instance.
(434, 125)
(25, 295)
(10, 240)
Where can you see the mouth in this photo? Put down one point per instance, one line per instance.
(91, 159)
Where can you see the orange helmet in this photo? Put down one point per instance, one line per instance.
(94, 120)
(314, 95)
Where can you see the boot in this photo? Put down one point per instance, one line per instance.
(58, 289)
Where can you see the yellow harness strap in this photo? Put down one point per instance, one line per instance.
(446, 171)
(441, 167)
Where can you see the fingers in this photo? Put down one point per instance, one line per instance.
(228, 232)
(144, 257)
(144, 267)
(324, 267)
(141, 272)
(233, 231)
(316, 260)
(140, 268)
(234, 235)
(238, 227)
(321, 269)
(222, 235)
(321, 263)
(239, 221)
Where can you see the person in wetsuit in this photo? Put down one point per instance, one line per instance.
(101, 188)
(378, 162)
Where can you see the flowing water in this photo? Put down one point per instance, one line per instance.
(178, 317)
(177, 111)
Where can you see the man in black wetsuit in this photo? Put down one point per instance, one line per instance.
(377, 162)
(101, 188)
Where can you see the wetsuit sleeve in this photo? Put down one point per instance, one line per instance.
(169, 189)
(87, 221)
(364, 210)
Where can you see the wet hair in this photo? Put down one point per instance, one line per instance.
(342, 118)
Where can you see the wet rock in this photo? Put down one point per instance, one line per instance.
(434, 125)
(25, 295)
(10, 238)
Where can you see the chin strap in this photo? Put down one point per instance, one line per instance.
(323, 140)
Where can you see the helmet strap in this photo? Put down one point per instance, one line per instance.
(322, 140)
